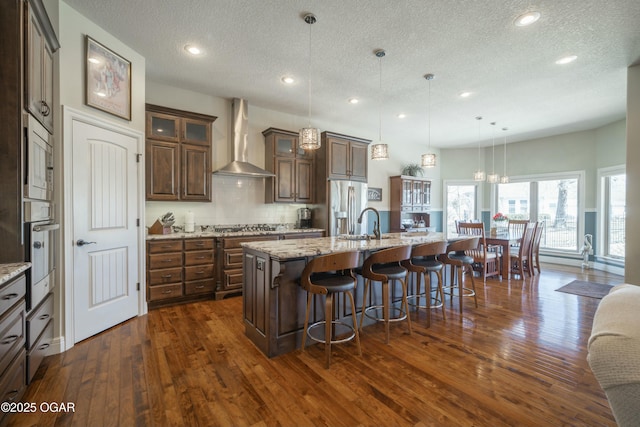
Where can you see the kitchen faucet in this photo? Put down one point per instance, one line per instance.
(376, 224)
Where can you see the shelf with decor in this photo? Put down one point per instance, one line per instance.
(410, 203)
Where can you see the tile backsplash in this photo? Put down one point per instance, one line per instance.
(235, 200)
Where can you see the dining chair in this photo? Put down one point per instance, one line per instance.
(516, 228)
(535, 246)
(486, 258)
(520, 261)
(329, 275)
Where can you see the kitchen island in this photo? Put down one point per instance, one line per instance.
(274, 304)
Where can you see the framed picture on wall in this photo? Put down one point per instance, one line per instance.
(107, 80)
(374, 194)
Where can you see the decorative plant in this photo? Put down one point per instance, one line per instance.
(500, 217)
(412, 169)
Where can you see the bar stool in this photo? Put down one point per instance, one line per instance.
(329, 275)
(384, 266)
(423, 262)
(458, 260)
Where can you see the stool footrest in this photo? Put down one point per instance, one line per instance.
(436, 304)
(466, 292)
(349, 330)
(401, 316)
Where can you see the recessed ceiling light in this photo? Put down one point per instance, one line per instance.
(287, 79)
(402, 115)
(353, 100)
(527, 19)
(192, 49)
(566, 60)
(465, 94)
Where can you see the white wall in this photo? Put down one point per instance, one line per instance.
(632, 247)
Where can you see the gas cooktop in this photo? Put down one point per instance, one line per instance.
(243, 228)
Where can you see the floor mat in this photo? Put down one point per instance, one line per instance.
(586, 289)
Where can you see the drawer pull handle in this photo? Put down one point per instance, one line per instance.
(200, 272)
(10, 296)
(200, 287)
(44, 317)
(10, 339)
(167, 276)
(200, 244)
(44, 346)
(12, 395)
(201, 257)
(167, 292)
(167, 260)
(166, 247)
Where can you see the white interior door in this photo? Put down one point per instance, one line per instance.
(105, 210)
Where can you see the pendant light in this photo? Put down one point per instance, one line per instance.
(493, 177)
(478, 175)
(309, 138)
(380, 151)
(429, 159)
(504, 179)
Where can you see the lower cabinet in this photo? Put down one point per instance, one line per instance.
(13, 356)
(39, 334)
(180, 270)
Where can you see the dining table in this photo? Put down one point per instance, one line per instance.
(506, 241)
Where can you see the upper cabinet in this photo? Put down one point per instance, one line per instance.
(410, 201)
(178, 154)
(292, 166)
(40, 45)
(344, 157)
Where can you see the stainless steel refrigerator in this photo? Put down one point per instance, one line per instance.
(346, 200)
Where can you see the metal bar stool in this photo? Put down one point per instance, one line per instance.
(423, 262)
(458, 260)
(384, 266)
(328, 275)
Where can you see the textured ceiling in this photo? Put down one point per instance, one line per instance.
(469, 46)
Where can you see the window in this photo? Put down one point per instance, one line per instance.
(552, 199)
(613, 208)
(460, 204)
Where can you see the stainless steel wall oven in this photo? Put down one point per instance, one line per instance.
(40, 241)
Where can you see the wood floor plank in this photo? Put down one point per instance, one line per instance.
(517, 359)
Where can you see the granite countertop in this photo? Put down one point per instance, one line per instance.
(288, 249)
(201, 234)
(9, 271)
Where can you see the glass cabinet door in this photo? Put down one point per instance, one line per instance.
(426, 194)
(407, 194)
(196, 132)
(163, 127)
(286, 145)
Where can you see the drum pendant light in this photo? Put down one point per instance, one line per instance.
(478, 175)
(309, 138)
(380, 151)
(429, 158)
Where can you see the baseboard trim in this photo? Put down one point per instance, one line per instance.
(57, 346)
(578, 263)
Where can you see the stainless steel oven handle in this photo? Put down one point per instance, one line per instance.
(47, 227)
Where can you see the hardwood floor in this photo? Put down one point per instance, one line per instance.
(519, 359)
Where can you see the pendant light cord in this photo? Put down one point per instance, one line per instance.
(380, 100)
(309, 82)
(493, 148)
(429, 117)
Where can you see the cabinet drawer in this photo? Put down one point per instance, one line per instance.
(165, 260)
(198, 244)
(157, 293)
(13, 382)
(233, 279)
(200, 287)
(235, 242)
(12, 334)
(12, 292)
(164, 246)
(198, 272)
(164, 276)
(198, 257)
(38, 319)
(39, 351)
(233, 258)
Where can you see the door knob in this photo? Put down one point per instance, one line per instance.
(82, 243)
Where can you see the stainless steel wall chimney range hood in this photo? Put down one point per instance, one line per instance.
(240, 166)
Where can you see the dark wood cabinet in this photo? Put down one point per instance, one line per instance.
(346, 157)
(178, 154)
(410, 201)
(40, 45)
(292, 166)
(180, 270)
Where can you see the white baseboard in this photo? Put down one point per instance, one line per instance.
(57, 346)
(577, 262)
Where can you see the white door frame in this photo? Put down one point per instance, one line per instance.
(69, 115)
